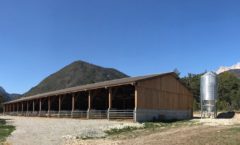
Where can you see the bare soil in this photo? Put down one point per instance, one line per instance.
(48, 131)
(55, 131)
(208, 132)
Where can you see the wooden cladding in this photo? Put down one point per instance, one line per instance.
(165, 92)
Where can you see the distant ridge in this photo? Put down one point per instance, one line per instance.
(5, 96)
(235, 69)
(75, 74)
(227, 68)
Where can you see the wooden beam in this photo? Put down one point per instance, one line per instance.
(135, 104)
(22, 107)
(136, 98)
(59, 105)
(110, 98)
(4, 109)
(13, 106)
(17, 107)
(49, 106)
(109, 102)
(40, 106)
(27, 107)
(73, 104)
(33, 106)
(89, 104)
(89, 99)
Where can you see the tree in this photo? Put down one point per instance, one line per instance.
(192, 82)
(229, 90)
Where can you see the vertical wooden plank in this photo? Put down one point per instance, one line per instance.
(59, 104)
(22, 107)
(13, 107)
(17, 107)
(109, 98)
(73, 102)
(89, 104)
(27, 107)
(136, 97)
(33, 106)
(89, 100)
(4, 109)
(40, 107)
(49, 105)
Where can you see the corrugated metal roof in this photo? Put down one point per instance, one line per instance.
(104, 84)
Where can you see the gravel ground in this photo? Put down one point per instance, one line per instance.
(54, 131)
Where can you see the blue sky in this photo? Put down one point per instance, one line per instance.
(38, 37)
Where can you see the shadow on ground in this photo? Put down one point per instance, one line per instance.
(226, 115)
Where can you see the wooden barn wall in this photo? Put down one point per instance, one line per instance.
(164, 92)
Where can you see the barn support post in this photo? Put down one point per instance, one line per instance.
(3, 109)
(73, 105)
(89, 104)
(40, 107)
(59, 105)
(22, 108)
(33, 107)
(13, 108)
(136, 103)
(17, 108)
(27, 108)
(49, 106)
(109, 102)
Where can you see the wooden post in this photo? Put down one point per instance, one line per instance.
(33, 106)
(3, 109)
(13, 106)
(40, 107)
(109, 102)
(27, 108)
(49, 106)
(89, 104)
(89, 100)
(17, 108)
(22, 108)
(73, 104)
(136, 104)
(59, 105)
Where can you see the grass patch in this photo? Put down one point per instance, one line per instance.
(235, 129)
(150, 126)
(169, 124)
(116, 131)
(5, 130)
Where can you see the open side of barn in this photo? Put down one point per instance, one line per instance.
(144, 98)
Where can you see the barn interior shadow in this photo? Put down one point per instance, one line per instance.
(226, 115)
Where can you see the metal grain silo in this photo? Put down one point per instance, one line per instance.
(208, 91)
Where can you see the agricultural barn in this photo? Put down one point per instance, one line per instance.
(145, 98)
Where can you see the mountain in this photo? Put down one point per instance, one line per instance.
(6, 96)
(236, 72)
(235, 69)
(75, 74)
(227, 68)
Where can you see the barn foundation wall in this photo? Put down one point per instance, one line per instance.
(142, 115)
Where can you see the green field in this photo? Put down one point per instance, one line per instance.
(5, 130)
